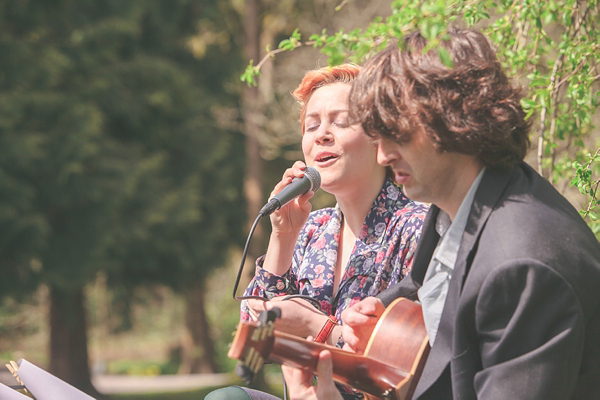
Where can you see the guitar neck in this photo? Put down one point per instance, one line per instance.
(365, 374)
(391, 367)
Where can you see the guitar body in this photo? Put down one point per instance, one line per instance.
(400, 340)
(389, 369)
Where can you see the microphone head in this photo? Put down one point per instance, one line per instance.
(314, 177)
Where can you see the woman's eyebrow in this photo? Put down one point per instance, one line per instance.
(331, 113)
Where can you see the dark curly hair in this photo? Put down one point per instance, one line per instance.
(469, 108)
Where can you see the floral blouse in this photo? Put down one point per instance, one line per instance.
(382, 255)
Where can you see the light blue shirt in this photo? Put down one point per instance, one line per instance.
(432, 294)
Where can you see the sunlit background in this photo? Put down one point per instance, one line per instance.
(133, 160)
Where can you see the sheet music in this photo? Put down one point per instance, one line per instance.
(45, 386)
(7, 393)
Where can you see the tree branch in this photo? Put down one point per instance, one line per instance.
(554, 88)
(342, 4)
(593, 188)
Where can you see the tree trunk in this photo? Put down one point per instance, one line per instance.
(68, 339)
(197, 350)
(251, 102)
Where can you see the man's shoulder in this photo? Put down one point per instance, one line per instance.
(532, 221)
(529, 202)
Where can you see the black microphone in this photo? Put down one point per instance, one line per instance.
(310, 181)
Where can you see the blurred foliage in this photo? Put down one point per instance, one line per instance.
(141, 368)
(113, 154)
(111, 157)
(552, 47)
(183, 395)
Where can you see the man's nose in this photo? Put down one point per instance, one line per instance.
(385, 153)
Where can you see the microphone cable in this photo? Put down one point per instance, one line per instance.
(310, 299)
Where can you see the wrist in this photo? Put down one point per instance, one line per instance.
(284, 236)
(278, 258)
(335, 336)
(326, 330)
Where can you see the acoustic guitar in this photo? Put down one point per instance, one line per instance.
(389, 368)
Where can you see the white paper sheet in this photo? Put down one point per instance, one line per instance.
(45, 386)
(7, 393)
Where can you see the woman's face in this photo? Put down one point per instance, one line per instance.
(344, 156)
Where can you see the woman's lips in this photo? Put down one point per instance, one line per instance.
(324, 159)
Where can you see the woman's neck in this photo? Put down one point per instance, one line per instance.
(356, 202)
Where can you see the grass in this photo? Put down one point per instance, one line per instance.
(145, 350)
(186, 395)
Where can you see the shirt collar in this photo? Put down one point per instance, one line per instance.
(451, 232)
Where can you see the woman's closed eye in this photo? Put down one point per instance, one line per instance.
(341, 119)
(312, 127)
(341, 122)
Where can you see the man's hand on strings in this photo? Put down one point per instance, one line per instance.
(358, 323)
(299, 381)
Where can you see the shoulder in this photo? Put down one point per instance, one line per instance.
(532, 229)
(526, 285)
(531, 209)
(527, 207)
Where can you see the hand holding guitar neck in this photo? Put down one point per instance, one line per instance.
(390, 367)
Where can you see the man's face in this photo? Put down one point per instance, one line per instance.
(425, 173)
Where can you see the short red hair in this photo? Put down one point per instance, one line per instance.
(317, 78)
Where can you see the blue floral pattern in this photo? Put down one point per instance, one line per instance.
(382, 255)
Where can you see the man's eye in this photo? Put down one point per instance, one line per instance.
(310, 128)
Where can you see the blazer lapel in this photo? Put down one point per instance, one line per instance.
(427, 243)
(491, 188)
(488, 193)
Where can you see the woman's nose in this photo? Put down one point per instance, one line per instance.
(324, 134)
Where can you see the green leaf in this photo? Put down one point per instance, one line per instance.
(540, 81)
(445, 57)
(527, 103)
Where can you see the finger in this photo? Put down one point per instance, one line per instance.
(346, 347)
(326, 388)
(306, 196)
(352, 317)
(351, 341)
(371, 306)
(285, 181)
(256, 305)
(304, 203)
(325, 366)
(364, 312)
(297, 380)
(296, 170)
(301, 165)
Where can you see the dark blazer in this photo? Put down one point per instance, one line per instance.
(522, 316)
